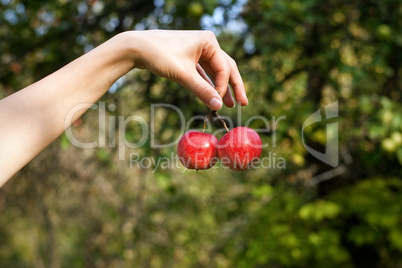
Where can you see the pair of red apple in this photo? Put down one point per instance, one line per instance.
(237, 149)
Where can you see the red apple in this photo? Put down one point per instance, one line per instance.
(197, 150)
(238, 148)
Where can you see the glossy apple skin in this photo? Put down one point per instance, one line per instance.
(238, 148)
(197, 150)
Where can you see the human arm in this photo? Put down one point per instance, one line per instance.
(33, 117)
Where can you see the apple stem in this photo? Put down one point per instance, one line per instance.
(207, 118)
(215, 114)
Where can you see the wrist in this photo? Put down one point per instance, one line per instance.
(125, 49)
(131, 49)
(136, 49)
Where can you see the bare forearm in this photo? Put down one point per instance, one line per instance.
(35, 116)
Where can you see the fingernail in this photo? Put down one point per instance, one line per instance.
(215, 104)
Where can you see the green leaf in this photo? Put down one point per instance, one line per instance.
(319, 210)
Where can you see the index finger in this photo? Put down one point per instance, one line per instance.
(214, 61)
(235, 79)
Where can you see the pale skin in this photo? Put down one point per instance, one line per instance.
(33, 117)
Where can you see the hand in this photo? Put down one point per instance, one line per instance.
(187, 57)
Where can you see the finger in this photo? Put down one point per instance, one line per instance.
(216, 61)
(203, 90)
(236, 82)
(204, 75)
(227, 98)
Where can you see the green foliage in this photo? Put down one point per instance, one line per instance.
(319, 210)
(296, 235)
(372, 202)
(74, 207)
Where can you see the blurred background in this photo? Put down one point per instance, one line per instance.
(73, 207)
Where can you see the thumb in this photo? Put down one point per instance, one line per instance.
(204, 91)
